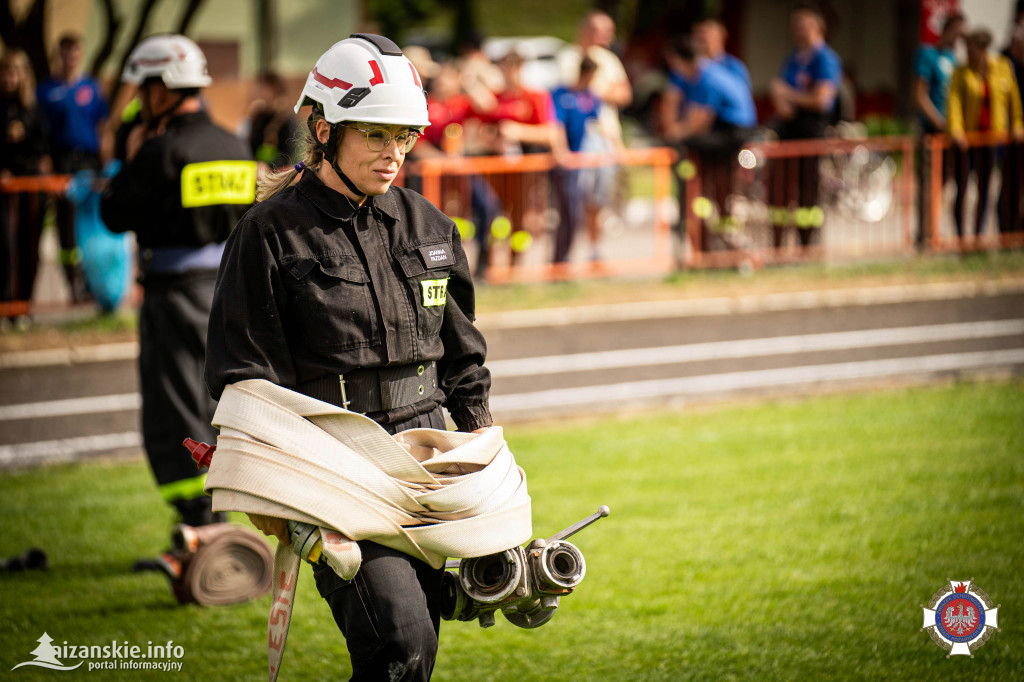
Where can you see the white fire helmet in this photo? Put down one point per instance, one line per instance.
(173, 58)
(366, 78)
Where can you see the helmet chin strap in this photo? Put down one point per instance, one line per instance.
(330, 157)
(155, 121)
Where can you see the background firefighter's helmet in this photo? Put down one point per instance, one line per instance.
(366, 78)
(173, 58)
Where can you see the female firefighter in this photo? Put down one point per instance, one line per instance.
(339, 286)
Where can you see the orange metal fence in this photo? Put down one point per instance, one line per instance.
(772, 202)
(798, 200)
(25, 194)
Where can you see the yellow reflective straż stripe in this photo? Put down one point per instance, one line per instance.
(218, 182)
(435, 291)
(185, 489)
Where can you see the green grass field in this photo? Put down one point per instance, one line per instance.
(785, 540)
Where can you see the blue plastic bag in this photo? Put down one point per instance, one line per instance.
(106, 257)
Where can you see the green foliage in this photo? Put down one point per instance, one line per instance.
(394, 17)
(790, 540)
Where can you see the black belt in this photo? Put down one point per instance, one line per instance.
(378, 389)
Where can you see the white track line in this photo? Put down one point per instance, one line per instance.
(749, 348)
(64, 408)
(67, 449)
(24, 454)
(736, 381)
(634, 357)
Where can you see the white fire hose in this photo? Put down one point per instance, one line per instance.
(431, 494)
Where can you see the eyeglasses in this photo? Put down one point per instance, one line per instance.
(378, 139)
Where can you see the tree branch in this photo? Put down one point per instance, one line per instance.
(140, 28)
(189, 15)
(113, 21)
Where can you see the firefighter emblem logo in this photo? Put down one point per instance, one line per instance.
(960, 618)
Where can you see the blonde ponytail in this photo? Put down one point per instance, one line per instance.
(270, 181)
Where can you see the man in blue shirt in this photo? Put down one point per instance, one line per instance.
(715, 117)
(75, 107)
(933, 69)
(709, 37)
(804, 97)
(581, 193)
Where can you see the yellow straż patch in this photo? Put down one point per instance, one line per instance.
(218, 182)
(435, 292)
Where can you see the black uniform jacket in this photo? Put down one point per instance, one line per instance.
(309, 287)
(23, 137)
(185, 188)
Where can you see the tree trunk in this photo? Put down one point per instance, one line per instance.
(140, 28)
(28, 35)
(189, 15)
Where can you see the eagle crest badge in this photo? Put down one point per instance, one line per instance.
(960, 617)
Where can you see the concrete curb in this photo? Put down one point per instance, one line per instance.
(754, 303)
(614, 312)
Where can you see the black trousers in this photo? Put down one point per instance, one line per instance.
(980, 160)
(1011, 191)
(173, 322)
(21, 223)
(390, 612)
(795, 180)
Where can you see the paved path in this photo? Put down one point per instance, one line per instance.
(70, 403)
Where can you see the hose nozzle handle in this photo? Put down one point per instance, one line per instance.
(601, 513)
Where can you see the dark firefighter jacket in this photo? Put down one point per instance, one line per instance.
(310, 287)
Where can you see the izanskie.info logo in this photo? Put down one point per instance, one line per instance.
(112, 656)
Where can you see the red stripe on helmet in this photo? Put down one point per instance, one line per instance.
(378, 77)
(330, 82)
(415, 76)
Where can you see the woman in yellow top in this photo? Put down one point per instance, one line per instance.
(983, 97)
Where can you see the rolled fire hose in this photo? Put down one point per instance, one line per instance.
(221, 564)
(429, 493)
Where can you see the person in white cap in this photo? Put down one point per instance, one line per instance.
(184, 186)
(347, 289)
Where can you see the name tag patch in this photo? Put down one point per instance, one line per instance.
(437, 256)
(218, 182)
(435, 292)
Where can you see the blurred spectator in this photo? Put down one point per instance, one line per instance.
(595, 34)
(272, 130)
(75, 108)
(709, 41)
(480, 75)
(1011, 211)
(983, 97)
(803, 97)
(23, 151)
(933, 70)
(523, 123)
(715, 116)
(452, 121)
(524, 118)
(582, 193)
